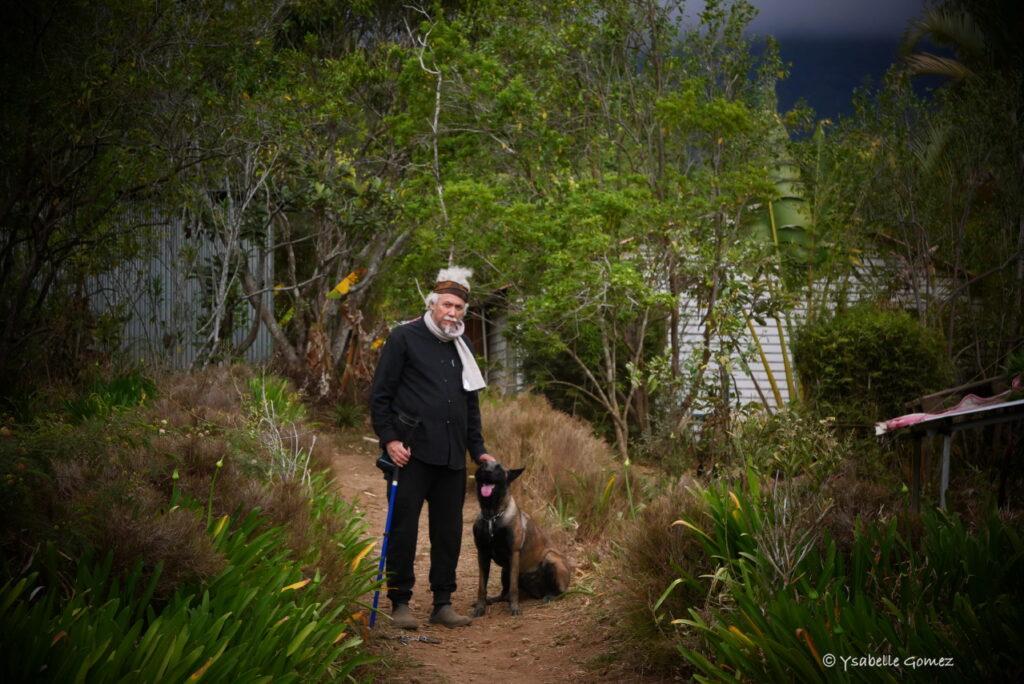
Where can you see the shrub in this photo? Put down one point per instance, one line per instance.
(863, 364)
(652, 554)
(787, 444)
(1015, 365)
(105, 396)
(133, 481)
(271, 395)
(276, 414)
(348, 415)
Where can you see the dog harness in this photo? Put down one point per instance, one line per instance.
(490, 524)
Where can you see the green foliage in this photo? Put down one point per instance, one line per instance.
(582, 185)
(1015, 365)
(259, 618)
(349, 415)
(156, 487)
(275, 417)
(97, 98)
(788, 444)
(938, 177)
(951, 595)
(273, 396)
(864, 363)
(105, 396)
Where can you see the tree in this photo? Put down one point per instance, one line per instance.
(90, 95)
(589, 130)
(984, 102)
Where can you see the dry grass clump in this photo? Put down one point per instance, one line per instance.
(120, 505)
(176, 539)
(567, 467)
(110, 482)
(857, 499)
(650, 556)
(210, 396)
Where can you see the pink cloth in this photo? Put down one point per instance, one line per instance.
(970, 401)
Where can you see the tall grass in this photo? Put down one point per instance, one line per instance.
(102, 397)
(800, 549)
(650, 556)
(570, 473)
(276, 413)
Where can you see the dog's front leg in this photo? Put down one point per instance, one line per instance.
(503, 596)
(513, 583)
(484, 561)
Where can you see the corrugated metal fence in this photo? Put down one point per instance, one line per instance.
(165, 299)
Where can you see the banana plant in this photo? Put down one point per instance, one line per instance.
(786, 224)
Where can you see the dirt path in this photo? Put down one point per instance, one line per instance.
(549, 642)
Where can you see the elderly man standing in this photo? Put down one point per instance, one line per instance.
(426, 412)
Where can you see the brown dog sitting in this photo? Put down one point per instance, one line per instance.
(507, 535)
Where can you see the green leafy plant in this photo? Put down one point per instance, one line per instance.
(276, 413)
(1015, 364)
(106, 396)
(262, 617)
(273, 396)
(864, 363)
(788, 443)
(951, 595)
(348, 415)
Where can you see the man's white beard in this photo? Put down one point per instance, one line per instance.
(450, 326)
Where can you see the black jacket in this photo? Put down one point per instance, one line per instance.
(417, 397)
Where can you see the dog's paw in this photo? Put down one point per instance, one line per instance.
(514, 609)
(479, 609)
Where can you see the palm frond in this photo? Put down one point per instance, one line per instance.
(931, 149)
(955, 30)
(922, 63)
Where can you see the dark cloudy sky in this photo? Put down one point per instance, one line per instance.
(832, 46)
(834, 17)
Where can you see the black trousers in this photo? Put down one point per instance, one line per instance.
(444, 490)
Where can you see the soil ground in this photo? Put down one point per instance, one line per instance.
(558, 641)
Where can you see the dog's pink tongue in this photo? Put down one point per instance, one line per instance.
(485, 490)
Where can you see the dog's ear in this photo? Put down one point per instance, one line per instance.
(514, 473)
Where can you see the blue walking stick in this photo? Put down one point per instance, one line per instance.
(389, 468)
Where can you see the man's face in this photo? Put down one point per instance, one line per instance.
(447, 312)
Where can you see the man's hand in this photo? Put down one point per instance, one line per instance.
(398, 452)
(486, 457)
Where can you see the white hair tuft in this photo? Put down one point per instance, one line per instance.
(456, 274)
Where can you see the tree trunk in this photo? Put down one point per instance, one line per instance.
(621, 437)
